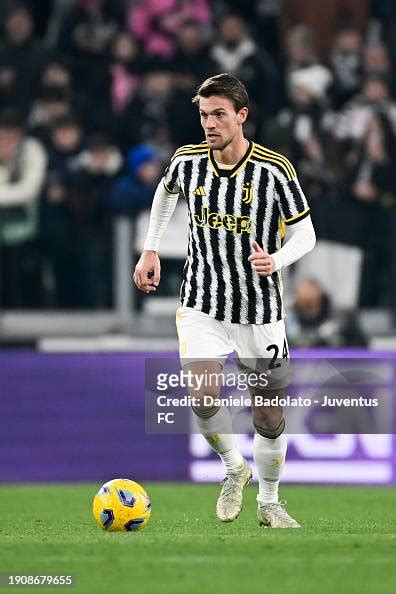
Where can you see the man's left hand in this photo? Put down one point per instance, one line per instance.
(261, 261)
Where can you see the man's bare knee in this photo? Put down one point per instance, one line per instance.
(204, 377)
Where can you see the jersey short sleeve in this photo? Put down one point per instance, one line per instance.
(171, 177)
(292, 202)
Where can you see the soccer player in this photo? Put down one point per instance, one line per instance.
(241, 197)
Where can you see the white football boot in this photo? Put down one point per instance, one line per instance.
(229, 503)
(275, 516)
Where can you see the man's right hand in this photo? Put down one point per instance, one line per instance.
(147, 272)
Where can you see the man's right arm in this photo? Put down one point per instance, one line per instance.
(148, 270)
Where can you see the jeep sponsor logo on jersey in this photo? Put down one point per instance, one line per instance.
(229, 222)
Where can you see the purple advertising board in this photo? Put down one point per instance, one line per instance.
(81, 417)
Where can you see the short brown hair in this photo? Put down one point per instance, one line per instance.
(224, 85)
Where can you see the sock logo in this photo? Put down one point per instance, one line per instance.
(277, 462)
(213, 438)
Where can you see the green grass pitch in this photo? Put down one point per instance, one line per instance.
(347, 544)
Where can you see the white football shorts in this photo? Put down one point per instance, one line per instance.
(258, 347)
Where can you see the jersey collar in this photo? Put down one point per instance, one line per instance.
(231, 172)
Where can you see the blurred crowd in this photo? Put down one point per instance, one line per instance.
(95, 95)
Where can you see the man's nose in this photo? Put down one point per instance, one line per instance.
(210, 121)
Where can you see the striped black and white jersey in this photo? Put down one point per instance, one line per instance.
(228, 209)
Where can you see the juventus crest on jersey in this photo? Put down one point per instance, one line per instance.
(228, 209)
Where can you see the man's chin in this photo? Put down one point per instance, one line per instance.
(216, 143)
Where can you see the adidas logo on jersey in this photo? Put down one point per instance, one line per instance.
(200, 191)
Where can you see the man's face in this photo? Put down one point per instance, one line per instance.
(191, 38)
(158, 83)
(9, 139)
(232, 30)
(67, 138)
(308, 298)
(376, 91)
(124, 48)
(349, 42)
(149, 172)
(220, 121)
(55, 109)
(57, 76)
(19, 26)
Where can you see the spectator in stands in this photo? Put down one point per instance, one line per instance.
(85, 37)
(384, 13)
(67, 141)
(156, 23)
(304, 116)
(372, 185)
(89, 26)
(314, 322)
(190, 66)
(266, 25)
(300, 48)
(133, 191)
(56, 80)
(91, 176)
(236, 52)
(21, 57)
(56, 73)
(346, 65)
(59, 232)
(192, 53)
(181, 109)
(22, 172)
(300, 132)
(300, 54)
(125, 70)
(53, 102)
(262, 17)
(375, 170)
(377, 62)
(147, 117)
(354, 119)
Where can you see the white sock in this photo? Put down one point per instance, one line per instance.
(217, 430)
(269, 456)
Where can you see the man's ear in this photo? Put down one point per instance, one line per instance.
(242, 115)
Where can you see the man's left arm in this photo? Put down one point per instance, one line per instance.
(300, 234)
(300, 239)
